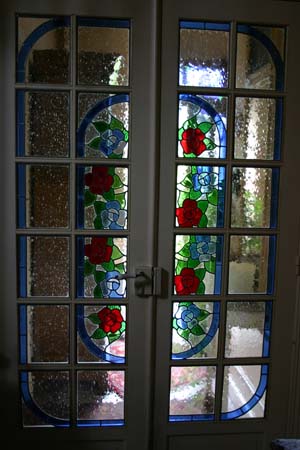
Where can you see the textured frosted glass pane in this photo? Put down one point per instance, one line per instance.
(255, 128)
(240, 385)
(43, 124)
(47, 196)
(251, 197)
(48, 333)
(102, 197)
(43, 50)
(203, 58)
(51, 398)
(260, 52)
(101, 395)
(192, 390)
(195, 330)
(249, 261)
(103, 125)
(101, 333)
(103, 55)
(44, 266)
(244, 329)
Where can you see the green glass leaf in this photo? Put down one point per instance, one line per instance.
(190, 123)
(192, 263)
(98, 292)
(98, 334)
(187, 181)
(194, 170)
(95, 143)
(126, 135)
(116, 124)
(99, 276)
(194, 195)
(94, 318)
(110, 241)
(120, 268)
(123, 327)
(210, 266)
(185, 334)
(114, 156)
(213, 197)
(189, 155)
(99, 207)
(185, 251)
(88, 268)
(116, 253)
(182, 197)
(187, 304)
(114, 307)
(174, 324)
(201, 288)
(192, 239)
(205, 126)
(203, 222)
(203, 315)
(202, 204)
(210, 145)
(180, 133)
(111, 171)
(180, 265)
(113, 336)
(117, 182)
(200, 273)
(121, 199)
(109, 195)
(197, 330)
(108, 266)
(98, 223)
(101, 126)
(89, 198)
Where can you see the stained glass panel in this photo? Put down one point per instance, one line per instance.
(103, 51)
(200, 196)
(100, 398)
(192, 393)
(101, 333)
(195, 330)
(43, 50)
(100, 261)
(102, 197)
(198, 264)
(203, 54)
(103, 125)
(202, 126)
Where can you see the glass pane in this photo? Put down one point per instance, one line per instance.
(254, 195)
(251, 264)
(243, 392)
(257, 128)
(43, 124)
(39, 406)
(43, 50)
(260, 55)
(248, 329)
(102, 197)
(100, 397)
(100, 260)
(203, 54)
(44, 334)
(200, 196)
(101, 333)
(43, 266)
(43, 196)
(195, 330)
(192, 393)
(198, 264)
(103, 125)
(202, 126)
(103, 52)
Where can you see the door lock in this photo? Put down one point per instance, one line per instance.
(147, 280)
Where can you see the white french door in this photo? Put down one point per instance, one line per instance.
(150, 155)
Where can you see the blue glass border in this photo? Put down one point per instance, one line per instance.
(80, 184)
(22, 265)
(267, 329)
(219, 261)
(208, 338)
(274, 197)
(85, 122)
(256, 397)
(23, 334)
(202, 103)
(271, 48)
(29, 42)
(20, 137)
(88, 342)
(271, 264)
(278, 128)
(100, 423)
(21, 195)
(213, 26)
(102, 23)
(80, 266)
(192, 418)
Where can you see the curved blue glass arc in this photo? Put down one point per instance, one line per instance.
(208, 338)
(100, 106)
(31, 404)
(199, 101)
(29, 42)
(271, 48)
(86, 339)
(256, 397)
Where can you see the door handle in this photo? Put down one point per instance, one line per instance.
(147, 280)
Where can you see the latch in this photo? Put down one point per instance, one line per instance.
(148, 280)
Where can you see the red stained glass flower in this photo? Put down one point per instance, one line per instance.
(186, 283)
(99, 180)
(192, 141)
(110, 320)
(189, 215)
(98, 251)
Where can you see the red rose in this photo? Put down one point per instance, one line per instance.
(189, 215)
(110, 320)
(186, 283)
(98, 251)
(192, 141)
(99, 180)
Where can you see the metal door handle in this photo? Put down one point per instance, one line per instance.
(147, 280)
(125, 276)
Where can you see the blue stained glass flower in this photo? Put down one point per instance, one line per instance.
(203, 249)
(112, 141)
(205, 182)
(112, 287)
(113, 217)
(187, 317)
